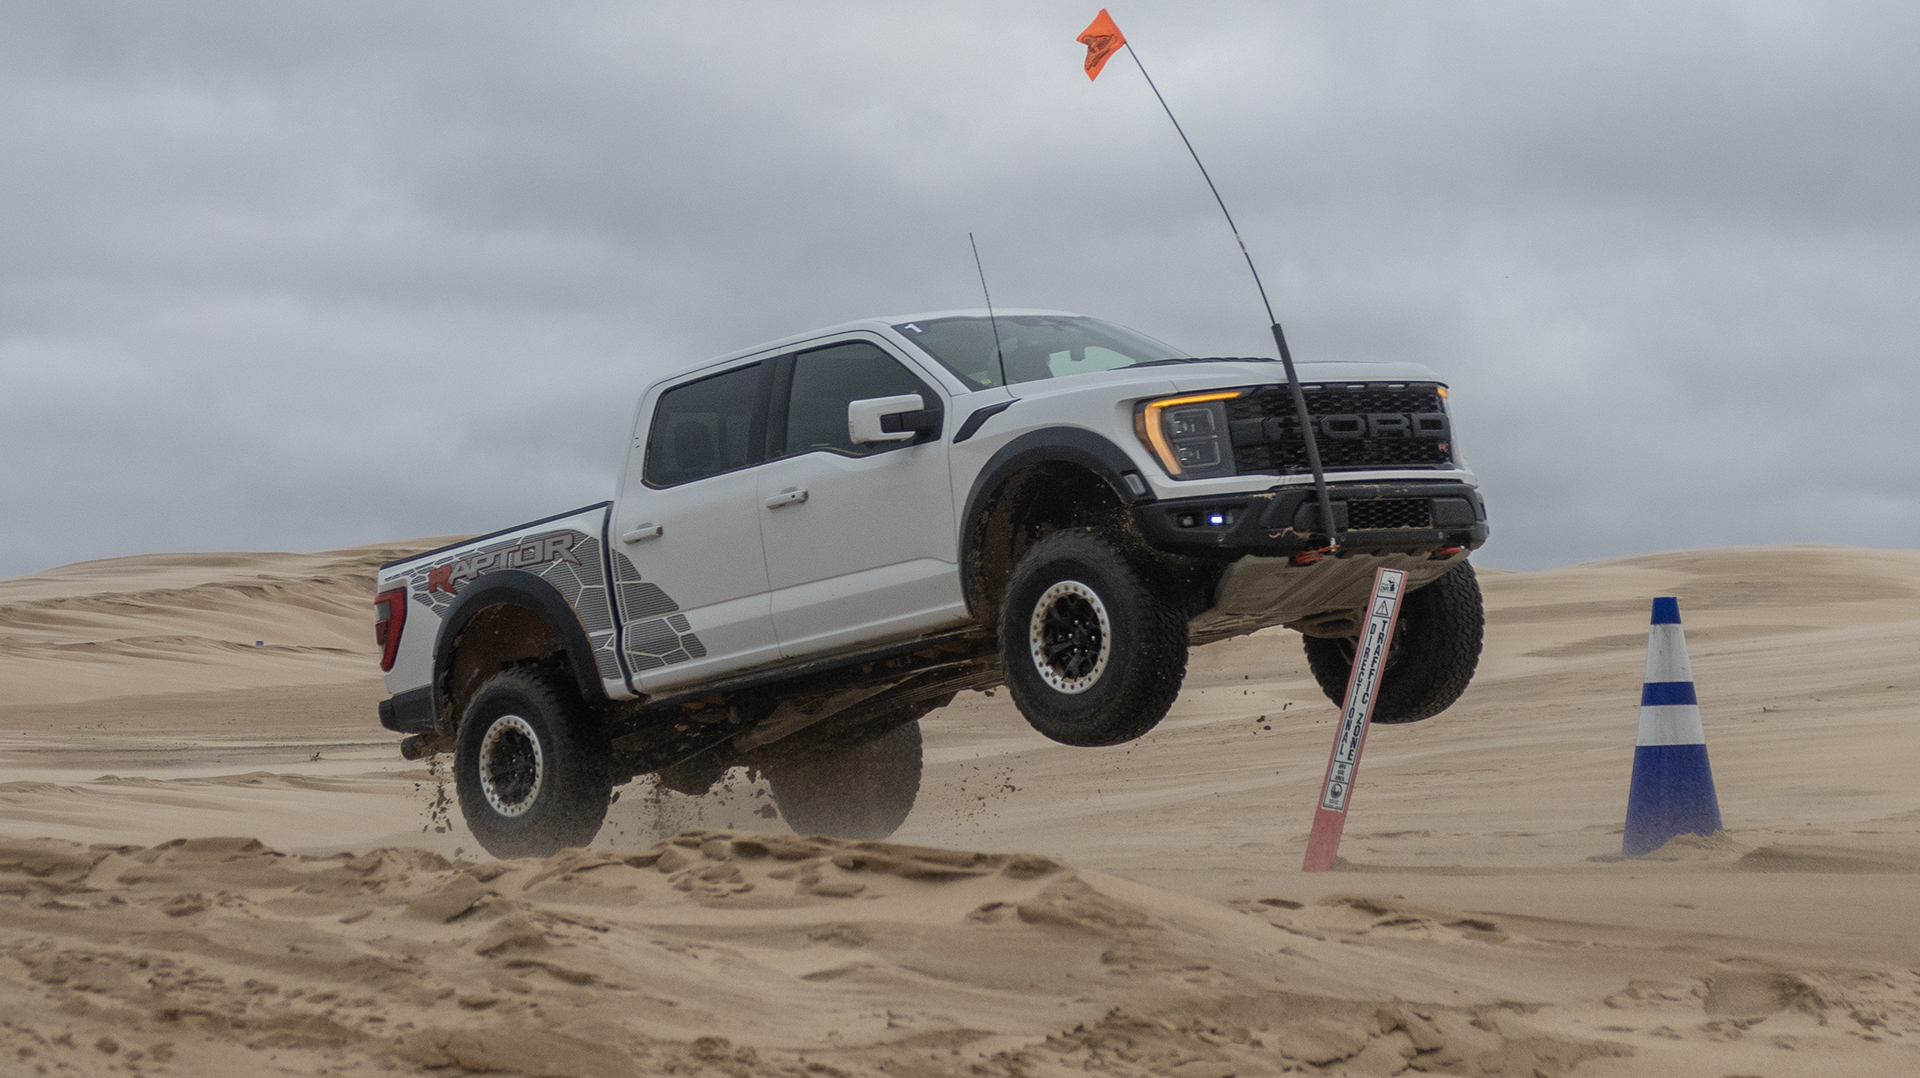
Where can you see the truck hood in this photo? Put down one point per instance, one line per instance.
(1133, 383)
(1194, 377)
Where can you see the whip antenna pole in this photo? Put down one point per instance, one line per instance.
(1203, 175)
(997, 353)
(1101, 39)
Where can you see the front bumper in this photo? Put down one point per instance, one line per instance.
(1415, 517)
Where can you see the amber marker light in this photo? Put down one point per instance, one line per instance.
(1146, 424)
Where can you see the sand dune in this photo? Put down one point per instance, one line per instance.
(746, 954)
(1480, 923)
(188, 623)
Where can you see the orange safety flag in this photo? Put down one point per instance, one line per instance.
(1102, 39)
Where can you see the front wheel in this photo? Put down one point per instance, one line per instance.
(1431, 660)
(1092, 651)
(530, 765)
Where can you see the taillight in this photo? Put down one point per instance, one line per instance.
(389, 620)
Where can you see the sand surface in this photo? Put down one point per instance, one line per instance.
(1132, 911)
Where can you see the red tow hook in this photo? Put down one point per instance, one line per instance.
(1444, 553)
(1309, 557)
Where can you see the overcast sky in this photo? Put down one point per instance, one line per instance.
(295, 276)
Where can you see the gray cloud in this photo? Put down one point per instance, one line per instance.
(294, 276)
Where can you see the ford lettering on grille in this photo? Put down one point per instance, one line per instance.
(1373, 425)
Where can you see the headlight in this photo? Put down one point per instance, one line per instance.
(1188, 434)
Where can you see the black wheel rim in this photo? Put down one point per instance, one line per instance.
(510, 765)
(1071, 637)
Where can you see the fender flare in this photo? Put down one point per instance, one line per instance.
(516, 587)
(1047, 445)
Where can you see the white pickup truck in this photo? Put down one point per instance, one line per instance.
(818, 541)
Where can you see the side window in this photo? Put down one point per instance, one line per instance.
(827, 380)
(704, 428)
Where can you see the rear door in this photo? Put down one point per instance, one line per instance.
(860, 541)
(689, 573)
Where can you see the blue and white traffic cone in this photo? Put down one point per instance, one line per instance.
(1672, 792)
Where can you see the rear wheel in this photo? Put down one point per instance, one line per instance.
(861, 791)
(1435, 648)
(1092, 651)
(530, 765)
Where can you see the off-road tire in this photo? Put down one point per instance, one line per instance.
(859, 791)
(547, 765)
(1079, 677)
(1431, 660)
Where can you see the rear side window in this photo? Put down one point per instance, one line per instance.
(704, 428)
(827, 380)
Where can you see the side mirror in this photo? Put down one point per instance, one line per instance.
(891, 419)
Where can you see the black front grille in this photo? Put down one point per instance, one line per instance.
(1359, 426)
(1367, 513)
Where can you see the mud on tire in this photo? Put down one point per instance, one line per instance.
(1435, 649)
(1093, 650)
(530, 765)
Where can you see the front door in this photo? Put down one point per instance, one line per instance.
(689, 573)
(859, 538)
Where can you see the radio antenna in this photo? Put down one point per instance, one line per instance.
(997, 353)
(1102, 40)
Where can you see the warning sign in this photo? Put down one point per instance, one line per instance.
(1363, 686)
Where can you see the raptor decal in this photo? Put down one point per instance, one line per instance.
(657, 633)
(566, 558)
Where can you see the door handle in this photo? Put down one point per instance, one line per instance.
(644, 531)
(789, 496)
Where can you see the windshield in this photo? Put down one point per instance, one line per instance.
(1036, 346)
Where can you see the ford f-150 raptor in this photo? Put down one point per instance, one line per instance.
(818, 541)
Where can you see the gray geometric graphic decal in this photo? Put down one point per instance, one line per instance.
(565, 558)
(657, 634)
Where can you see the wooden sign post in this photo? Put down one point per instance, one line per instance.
(1363, 687)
